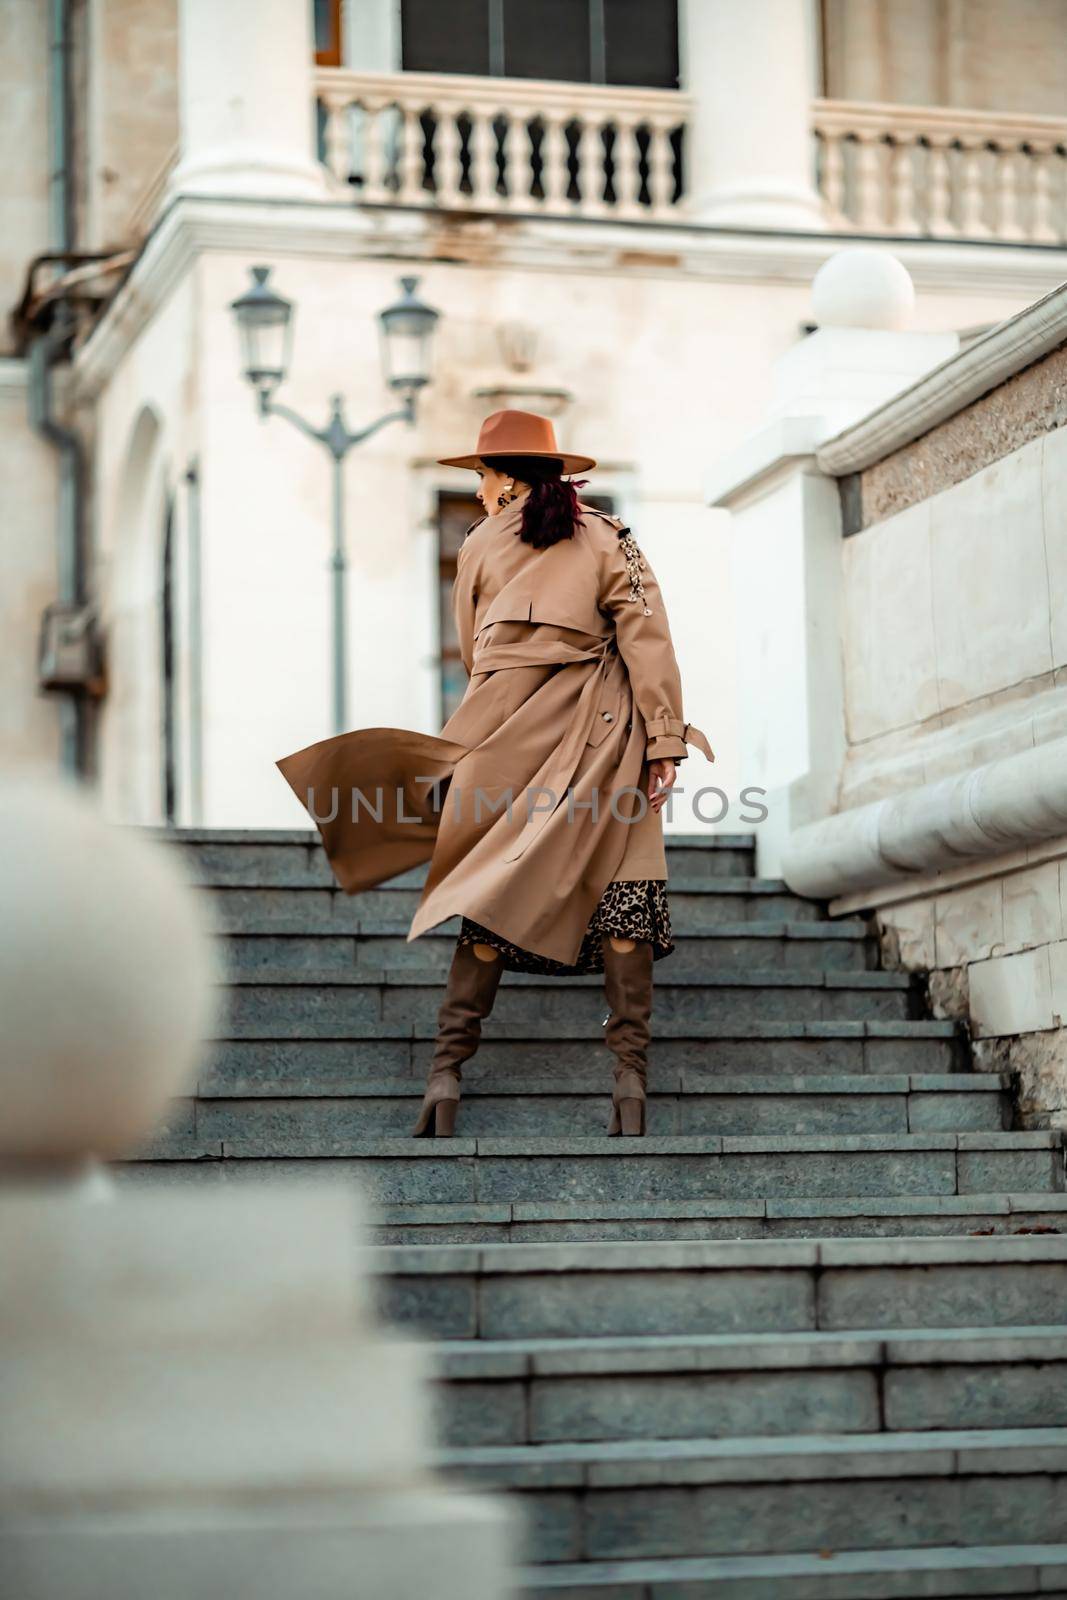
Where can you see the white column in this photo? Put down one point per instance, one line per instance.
(787, 538)
(751, 70)
(245, 94)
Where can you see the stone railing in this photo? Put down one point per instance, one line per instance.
(502, 144)
(937, 173)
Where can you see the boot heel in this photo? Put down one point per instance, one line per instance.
(632, 1115)
(444, 1125)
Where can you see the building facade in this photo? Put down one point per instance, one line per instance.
(618, 211)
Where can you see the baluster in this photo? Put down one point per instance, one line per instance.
(1042, 230)
(1057, 170)
(939, 186)
(870, 193)
(591, 167)
(833, 175)
(516, 168)
(373, 171)
(973, 223)
(410, 167)
(902, 184)
(554, 174)
(483, 159)
(660, 165)
(335, 137)
(627, 179)
(1006, 202)
(446, 154)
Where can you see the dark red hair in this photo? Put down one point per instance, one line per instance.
(551, 510)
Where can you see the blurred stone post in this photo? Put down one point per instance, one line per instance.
(196, 1402)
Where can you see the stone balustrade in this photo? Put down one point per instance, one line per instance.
(927, 171)
(503, 144)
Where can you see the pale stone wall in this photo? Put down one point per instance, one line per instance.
(29, 722)
(983, 54)
(24, 139)
(131, 116)
(955, 655)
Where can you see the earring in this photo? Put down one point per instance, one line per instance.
(506, 497)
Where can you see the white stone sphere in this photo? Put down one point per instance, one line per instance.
(107, 975)
(863, 286)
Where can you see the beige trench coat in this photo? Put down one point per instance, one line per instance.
(534, 797)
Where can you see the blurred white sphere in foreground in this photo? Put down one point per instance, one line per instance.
(107, 975)
(863, 286)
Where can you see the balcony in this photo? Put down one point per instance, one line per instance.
(933, 173)
(503, 144)
(524, 147)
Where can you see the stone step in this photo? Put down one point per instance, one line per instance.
(382, 942)
(286, 1005)
(679, 1104)
(461, 1170)
(655, 1498)
(742, 1286)
(698, 904)
(563, 1051)
(995, 1572)
(559, 1391)
(868, 1216)
(295, 858)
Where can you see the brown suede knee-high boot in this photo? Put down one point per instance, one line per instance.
(472, 986)
(628, 990)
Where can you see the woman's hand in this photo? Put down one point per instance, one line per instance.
(661, 776)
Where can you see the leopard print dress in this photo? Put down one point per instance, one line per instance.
(636, 909)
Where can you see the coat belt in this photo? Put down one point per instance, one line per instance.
(568, 753)
(564, 760)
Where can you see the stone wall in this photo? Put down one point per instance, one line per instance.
(953, 53)
(955, 655)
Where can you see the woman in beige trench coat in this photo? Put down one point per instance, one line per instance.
(538, 807)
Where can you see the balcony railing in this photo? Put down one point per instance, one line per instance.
(918, 170)
(503, 144)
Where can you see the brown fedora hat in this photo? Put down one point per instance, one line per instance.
(518, 433)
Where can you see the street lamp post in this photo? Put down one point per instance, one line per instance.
(265, 325)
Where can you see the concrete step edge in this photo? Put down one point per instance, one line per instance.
(311, 836)
(405, 1148)
(898, 1028)
(815, 1577)
(700, 1255)
(443, 1213)
(768, 1458)
(417, 977)
(458, 1359)
(681, 1082)
(849, 929)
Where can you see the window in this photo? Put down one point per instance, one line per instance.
(328, 33)
(624, 42)
(455, 513)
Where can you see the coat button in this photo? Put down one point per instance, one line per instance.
(608, 716)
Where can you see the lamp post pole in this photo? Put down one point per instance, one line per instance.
(264, 320)
(338, 439)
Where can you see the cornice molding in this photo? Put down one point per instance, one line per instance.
(990, 361)
(192, 225)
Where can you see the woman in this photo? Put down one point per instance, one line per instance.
(538, 808)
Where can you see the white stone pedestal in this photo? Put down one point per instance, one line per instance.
(197, 1402)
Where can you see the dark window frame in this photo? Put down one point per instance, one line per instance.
(598, 47)
(333, 53)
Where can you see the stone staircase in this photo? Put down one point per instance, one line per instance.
(807, 1338)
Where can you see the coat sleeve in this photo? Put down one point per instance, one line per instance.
(630, 595)
(464, 601)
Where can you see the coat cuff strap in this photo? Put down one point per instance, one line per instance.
(673, 728)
